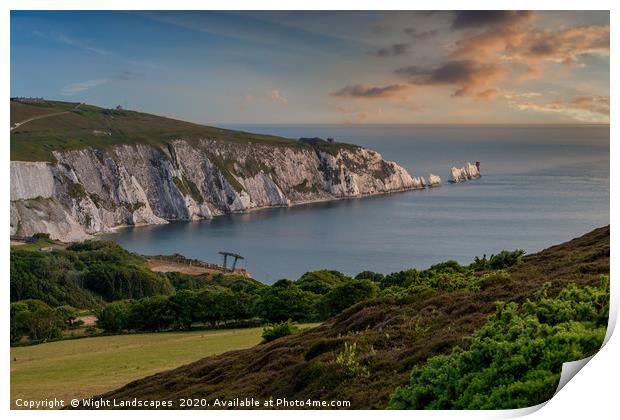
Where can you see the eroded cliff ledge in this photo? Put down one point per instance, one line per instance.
(92, 190)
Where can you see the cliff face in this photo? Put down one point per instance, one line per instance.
(94, 190)
(465, 173)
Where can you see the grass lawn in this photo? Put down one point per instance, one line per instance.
(90, 366)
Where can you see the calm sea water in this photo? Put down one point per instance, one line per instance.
(541, 185)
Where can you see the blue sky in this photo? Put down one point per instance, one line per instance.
(321, 67)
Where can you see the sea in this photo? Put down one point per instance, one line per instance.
(540, 186)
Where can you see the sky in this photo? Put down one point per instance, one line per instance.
(321, 67)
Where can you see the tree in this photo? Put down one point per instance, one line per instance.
(35, 319)
(114, 317)
(376, 278)
(348, 294)
(321, 282)
(215, 306)
(150, 314)
(182, 306)
(285, 300)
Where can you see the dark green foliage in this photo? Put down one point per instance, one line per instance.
(515, 359)
(122, 282)
(53, 277)
(281, 329)
(83, 275)
(68, 314)
(34, 319)
(236, 283)
(402, 278)
(377, 278)
(321, 282)
(150, 314)
(348, 294)
(182, 307)
(214, 306)
(285, 300)
(114, 317)
(504, 259)
(181, 281)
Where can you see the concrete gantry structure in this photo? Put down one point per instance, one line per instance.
(231, 254)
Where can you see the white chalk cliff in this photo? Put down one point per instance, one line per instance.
(434, 180)
(88, 191)
(465, 173)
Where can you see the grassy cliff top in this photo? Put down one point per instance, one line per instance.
(61, 126)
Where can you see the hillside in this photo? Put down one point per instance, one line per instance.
(79, 170)
(389, 337)
(92, 126)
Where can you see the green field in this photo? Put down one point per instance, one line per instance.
(90, 366)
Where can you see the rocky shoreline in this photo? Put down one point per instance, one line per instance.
(91, 191)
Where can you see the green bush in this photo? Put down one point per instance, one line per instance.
(281, 329)
(321, 282)
(285, 300)
(84, 275)
(505, 259)
(34, 319)
(114, 317)
(348, 294)
(515, 359)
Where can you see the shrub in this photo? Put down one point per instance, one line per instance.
(285, 300)
(282, 329)
(348, 294)
(321, 282)
(347, 359)
(114, 317)
(516, 358)
(34, 319)
(505, 259)
(376, 278)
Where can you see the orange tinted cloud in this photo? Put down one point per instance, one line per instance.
(466, 75)
(583, 108)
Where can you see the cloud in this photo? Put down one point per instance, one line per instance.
(564, 46)
(521, 44)
(419, 35)
(581, 108)
(278, 98)
(466, 75)
(128, 75)
(369, 91)
(75, 88)
(392, 50)
(85, 45)
(466, 19)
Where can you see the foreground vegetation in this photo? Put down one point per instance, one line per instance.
(367, 351)
(82, 368)
(433, 338)
(127, 296)
(515, 359)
